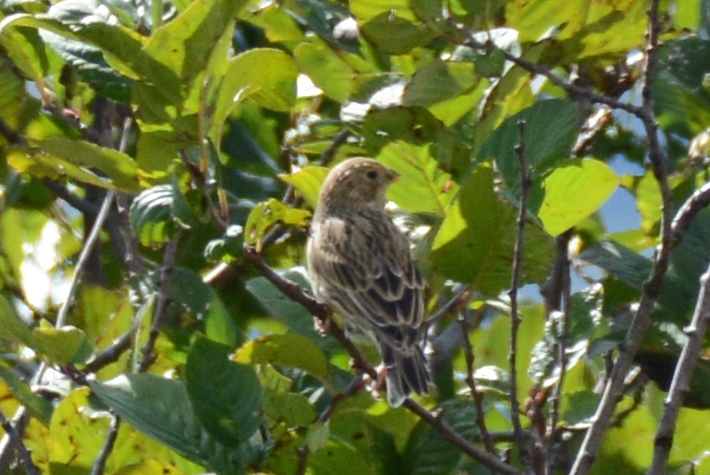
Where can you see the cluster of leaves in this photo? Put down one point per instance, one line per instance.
(206, 127)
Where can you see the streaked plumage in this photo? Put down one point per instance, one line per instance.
(361, 265)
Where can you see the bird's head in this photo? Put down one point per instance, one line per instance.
(357, 182)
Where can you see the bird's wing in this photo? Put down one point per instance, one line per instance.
(372, 278)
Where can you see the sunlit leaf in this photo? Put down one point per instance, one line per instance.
(423, 186)
(476, 240)
(573, 192)
(308, 182)
(289, 350)
(266, 215)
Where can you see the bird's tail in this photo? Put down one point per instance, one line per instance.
(406, 372)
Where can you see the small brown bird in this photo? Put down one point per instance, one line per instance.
(361, 265)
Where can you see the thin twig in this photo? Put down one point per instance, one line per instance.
(107, 448)
(680, 387)
(461, 297)
(476, 395)
(16, 440)
(83, 257)
(455, 438)
(161, 305)
(685, 215)
(329, 153)
(562, 359)
(652, 287)
(513, 293)
(110, 354)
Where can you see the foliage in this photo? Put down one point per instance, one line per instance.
(181, 340)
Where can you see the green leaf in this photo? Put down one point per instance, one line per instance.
(40, 407)
(366, 10)
(290, 349)
(395, 35)
(308, 182)
(648, 199)
(325, 68)
(161, 409)
(77, 423)
(573, 192)
(11, 327)
(225, 396)
(550, 128)
(151, 216)
(293, 408)
(266, 215)
(629, 267)
(188, 289)
(276, 304)
(185, 43)
(119, 169)
(423, 188)
(60, 345)
(585, 28)
(437, 81)
(476, 240)
(25, 49)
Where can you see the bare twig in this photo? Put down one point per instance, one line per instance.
(16, 440)
(329, 153)
(692, 206)
(561, 343)
(680, 386)
(452, 436)
(475, 393)
(651, 289)
(107, 448)
(110, 354)
(513, 293)
(161, 305)
(83, 256)
(460, 298)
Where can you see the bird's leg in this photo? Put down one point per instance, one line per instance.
(378, 384)
(323, 320)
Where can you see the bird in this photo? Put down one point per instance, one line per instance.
(360, 264)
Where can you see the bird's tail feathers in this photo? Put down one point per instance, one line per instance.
(407, 373)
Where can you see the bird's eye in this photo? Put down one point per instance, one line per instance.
(372, 174)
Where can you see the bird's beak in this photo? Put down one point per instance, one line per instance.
(393, 175)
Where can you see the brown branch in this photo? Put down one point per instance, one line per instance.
(513, 293)
(476, 395)
(652, 287)
(455, 438)
(16, 440)
(110, 354)
(680, 387)
(161, 305)
(561, 343)
(100, 462)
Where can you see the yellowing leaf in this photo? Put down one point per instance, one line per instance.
(575, 191)
(290, 349)
(308, 182)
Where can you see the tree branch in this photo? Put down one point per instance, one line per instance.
(642, 320)
(513, 293)
(161, 305)
(16, 440)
